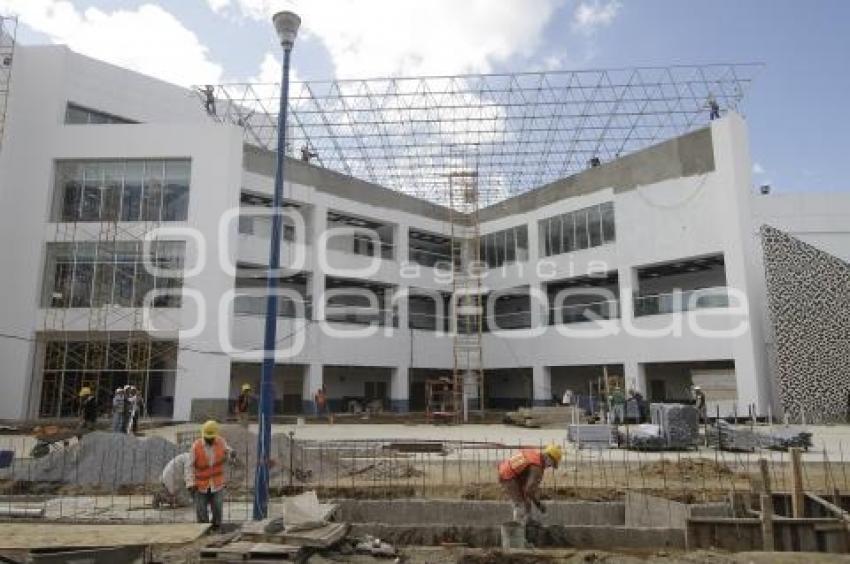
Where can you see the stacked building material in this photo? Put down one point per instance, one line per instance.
(729, 437)
(591, 436)
(553, 416)
(783, 438)
(642, 437)
(679, 424)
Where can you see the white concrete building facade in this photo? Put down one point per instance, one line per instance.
(645, 269)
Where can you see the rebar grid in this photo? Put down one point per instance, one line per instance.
(369, 470)
(518, 131)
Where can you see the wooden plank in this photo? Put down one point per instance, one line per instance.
(18, 536)
(320, 537)
(767, 538)
(797, 496)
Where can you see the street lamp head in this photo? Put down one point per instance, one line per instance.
(286, 24)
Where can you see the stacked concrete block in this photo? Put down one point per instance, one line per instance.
(679, 424)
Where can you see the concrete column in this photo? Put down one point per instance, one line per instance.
(316, 287)
(628, 287)
(534, 253)
(539, 307)
(310, 385)
(205, 378)
(400, 240)
(400, 389)
(542, 385)
(635, 376)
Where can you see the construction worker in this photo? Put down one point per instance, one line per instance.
(617, 406)
(173, 490)
(243, 404)
(521, 474)
(204, 473)
(118, 411)
(88, 409)
(699, 403)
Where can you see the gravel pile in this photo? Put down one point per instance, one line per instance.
(101, 458)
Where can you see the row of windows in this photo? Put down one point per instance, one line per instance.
(125, 190)
(508, 245)
(576, 230)
(97, 274)
(78, 115)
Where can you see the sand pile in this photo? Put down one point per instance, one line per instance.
(101, 458)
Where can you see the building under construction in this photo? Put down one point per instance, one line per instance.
(451, 244)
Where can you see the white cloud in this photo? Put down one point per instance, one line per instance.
(395, 37)
(270, 70)
(590, 15)
(149, 39)
(758, 169)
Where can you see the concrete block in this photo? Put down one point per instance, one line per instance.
(209, 408)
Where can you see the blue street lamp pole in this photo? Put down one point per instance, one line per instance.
(286, 25)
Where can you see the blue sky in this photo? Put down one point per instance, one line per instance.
(798, 109)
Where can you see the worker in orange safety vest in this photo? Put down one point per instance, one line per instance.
(204, 473)
(521, 475)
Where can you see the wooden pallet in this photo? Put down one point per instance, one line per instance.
(252, 551)
(321, 537)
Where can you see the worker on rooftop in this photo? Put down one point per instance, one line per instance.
(521, 475)
(204, 473)
(713, 107)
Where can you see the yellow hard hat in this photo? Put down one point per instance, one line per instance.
(85, 391)
(246, 387)
(554, 452)
(209, 430)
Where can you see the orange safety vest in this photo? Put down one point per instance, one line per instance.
(209, 474)
(512, 467)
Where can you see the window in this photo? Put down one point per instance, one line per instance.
(122, 190)
(78, 115)
(608, 222)
(505, 246)
(581, 229)
(90, 274)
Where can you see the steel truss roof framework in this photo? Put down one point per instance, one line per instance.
(517, 131)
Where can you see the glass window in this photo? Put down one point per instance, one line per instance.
(555, 235)
(122, 190)
(594, 226)
(568, 236)
(522, 243)
(608, 231)
(175, 203)
(510, 245)
(113, 181)
(92, 182)
(581, 229)
(152, 191)
(76, 115)
(131, 198)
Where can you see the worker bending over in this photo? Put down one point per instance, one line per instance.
(521, 474)
(204, 473)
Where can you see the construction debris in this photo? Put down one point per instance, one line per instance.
(537, 417)
(375, 547)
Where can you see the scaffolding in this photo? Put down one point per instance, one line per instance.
(106, 342)
(8, 29)
(467, 306)
(525, 129)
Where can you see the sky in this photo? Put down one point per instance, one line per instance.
(797, 109)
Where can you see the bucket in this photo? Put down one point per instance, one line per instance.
(513, 535)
